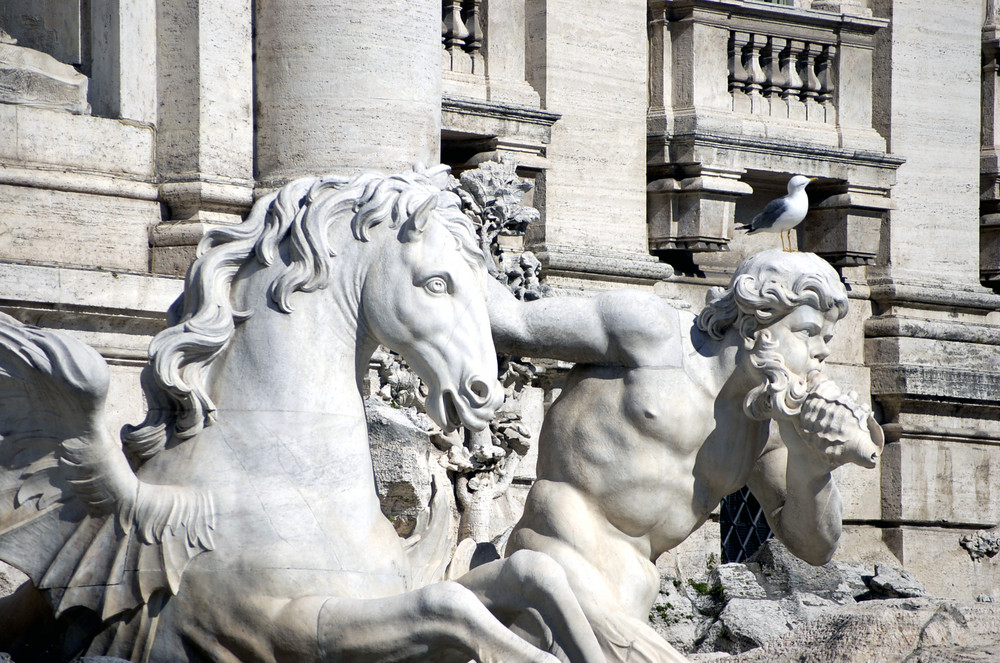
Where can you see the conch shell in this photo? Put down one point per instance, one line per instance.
(837, 425)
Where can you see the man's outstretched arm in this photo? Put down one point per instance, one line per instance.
(800, 500)
(622, 327)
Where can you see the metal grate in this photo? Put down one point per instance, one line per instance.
(743, 526)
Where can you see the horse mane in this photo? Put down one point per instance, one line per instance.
(203, 320)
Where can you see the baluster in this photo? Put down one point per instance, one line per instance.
(474, 40)
(810, 83)
(453, 28)
(774, 79)
(824, 73)
(793, 84)
(454, 34)
(739, 78)
(989, 115)
(755, 75)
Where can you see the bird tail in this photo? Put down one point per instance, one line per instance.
(746, 227)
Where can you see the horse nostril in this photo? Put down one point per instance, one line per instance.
(480, 390)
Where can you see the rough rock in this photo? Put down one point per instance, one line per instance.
(781, 573)
(746, 623)
(891, 631)
(892, 583)
(742, 606)
(401, 461)
(675, 616)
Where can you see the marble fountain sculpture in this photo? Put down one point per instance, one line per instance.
(239, 521)
(668, 412)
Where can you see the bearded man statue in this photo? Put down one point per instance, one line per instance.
(666, 413)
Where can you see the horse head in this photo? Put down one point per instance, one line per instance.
(424, 297)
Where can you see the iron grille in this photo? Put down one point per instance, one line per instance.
(743, 526)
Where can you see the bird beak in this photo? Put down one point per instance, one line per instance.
(813, 179)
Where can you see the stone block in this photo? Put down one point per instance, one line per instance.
(935, 556)
(39, 138)
(941, 481)
(597, 78)
(33, 78)
(138, 296)
(957, 355)
(844, 235)
(863, 544)
(56, 227)
(860, 491)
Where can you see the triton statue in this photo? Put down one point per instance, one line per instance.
(666, 413)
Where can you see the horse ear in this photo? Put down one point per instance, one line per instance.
(417, 223)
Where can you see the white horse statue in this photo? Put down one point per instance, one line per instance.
(240, 521)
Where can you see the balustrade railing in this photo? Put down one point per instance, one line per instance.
(781, 77)
(462, 35)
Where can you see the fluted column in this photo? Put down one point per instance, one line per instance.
(343, 86)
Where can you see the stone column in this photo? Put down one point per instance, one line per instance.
(343, 86)
(123, 53)
(595, 75)
(204, 138)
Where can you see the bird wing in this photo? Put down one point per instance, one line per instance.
(771, 213)
(73, 514)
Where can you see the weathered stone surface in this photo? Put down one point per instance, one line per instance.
(33, 78)
(928, 480)
(10, 579)
(891, 631)
(892, 583)
(781, 573)
(743, 606)
(401, 460)
(938, 559)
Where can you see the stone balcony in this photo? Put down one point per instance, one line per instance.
(743, 95)
(488, 108)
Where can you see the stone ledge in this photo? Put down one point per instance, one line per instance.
(894, 326)
(890, 290)
(38, 137)
(592, 263)
(935, 382)
(85, 290)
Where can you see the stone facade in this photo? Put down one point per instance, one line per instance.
(649, 130)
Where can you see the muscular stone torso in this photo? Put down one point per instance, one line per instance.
(631, 461)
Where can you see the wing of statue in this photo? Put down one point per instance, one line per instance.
(73, 514)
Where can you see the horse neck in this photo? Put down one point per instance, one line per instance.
(299, 366)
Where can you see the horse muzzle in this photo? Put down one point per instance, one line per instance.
(472, 405)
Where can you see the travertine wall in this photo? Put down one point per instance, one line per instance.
(590, 66)
(932, 345)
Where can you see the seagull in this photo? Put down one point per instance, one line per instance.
(783, 214)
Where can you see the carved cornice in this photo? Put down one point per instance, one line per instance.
(498, 111)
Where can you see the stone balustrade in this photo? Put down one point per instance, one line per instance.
(743, 95)
(462, 36)
(782, 77)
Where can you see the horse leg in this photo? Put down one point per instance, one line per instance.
(533, 581)
(438, 618)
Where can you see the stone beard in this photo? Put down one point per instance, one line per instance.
(781, 393)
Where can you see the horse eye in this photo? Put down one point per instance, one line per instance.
(436, 285)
